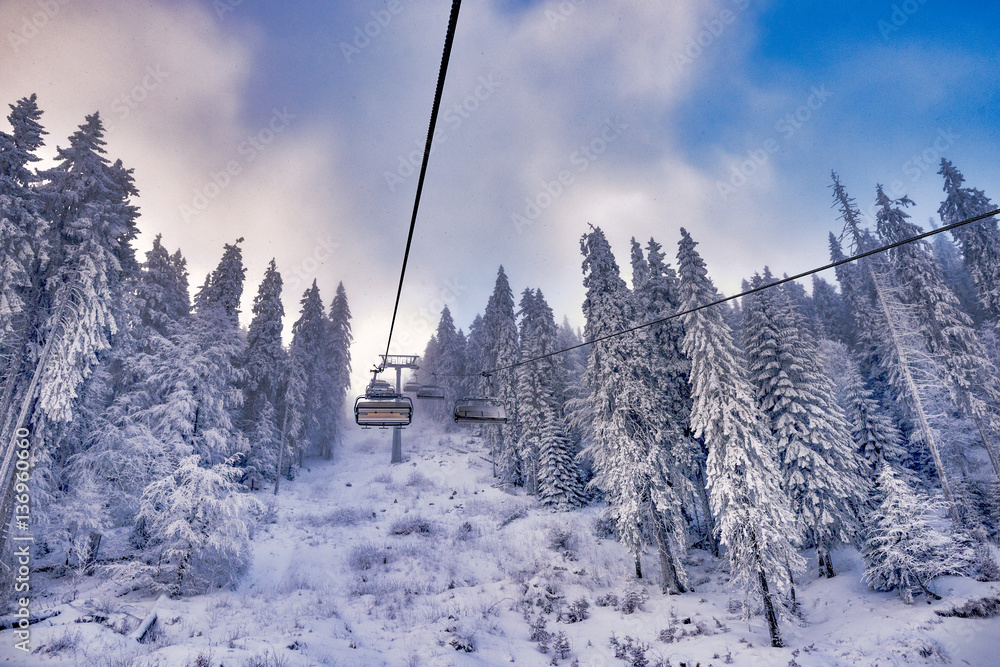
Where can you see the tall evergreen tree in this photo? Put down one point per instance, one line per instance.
(948, 333)
(545, 446)
(980, 241)
(340, 356)
(754, 519)
(265, 359)
(309, 347)
(832, 316)
(501, 349)
(820, 469)
(224, 286)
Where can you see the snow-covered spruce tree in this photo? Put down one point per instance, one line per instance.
(820, 469)
(199, 526)
(474, 362)
(876, 436)
(445, 365)
(956, 275)
(545, 448)
(754, 519)
(980, 241)
(832, 317)
(970, 375)
(623, 450)
(224, 286)
(22, 229)
(902, 550)
(163, 289)
(309, 337)
(265, 358)
(500, 349)
(88, 201)
(340, 339)
(889, 349)
(663, 369)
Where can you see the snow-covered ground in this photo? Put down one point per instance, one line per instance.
(426, 563)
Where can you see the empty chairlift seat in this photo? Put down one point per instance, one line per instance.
(480, 411)
(411, 387)
(382, 407)
(432, 392)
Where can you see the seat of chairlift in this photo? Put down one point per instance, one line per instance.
(480, 411)
(431, 392)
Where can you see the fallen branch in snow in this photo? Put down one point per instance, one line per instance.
(8, 622)
(147, 622)
(982, 608)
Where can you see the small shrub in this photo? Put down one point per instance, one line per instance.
(604, 529)
(560, 645)
(607, 600)
(67, 641)
(269, 659)
(464, 532)
(576, 612)
(631, 650)
(562, 540)
(633, 599)
(415, 525)
(367, 556)
(538, 631)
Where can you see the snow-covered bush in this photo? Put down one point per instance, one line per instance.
(199, 524)
(409, 525)
(367, 556)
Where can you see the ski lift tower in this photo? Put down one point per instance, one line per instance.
(399, 362)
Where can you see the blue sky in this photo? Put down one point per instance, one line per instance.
(286, 124)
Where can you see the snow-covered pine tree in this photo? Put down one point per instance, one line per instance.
(500, 349)
(22, 229)
(199, 525)
(546, 457)
(820, 469)
(309, 338)
(956, 275)
(224, 286)
(980, 241)
(88, 201)
(832, 317)
(663, 369)
(754, 519)
(446, 361)
(163, 289)
(885, 327)
(970, 375)
(265, 358)
(876, 436)
(340, 358)
(902, 550)
(474, 357)
(628, 468)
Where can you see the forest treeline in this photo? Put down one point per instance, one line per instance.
(148, 412)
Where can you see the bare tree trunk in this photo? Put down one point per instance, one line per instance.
(772, 617)
(638, 567)
(281, 450)
(710, 536)
(671, 581)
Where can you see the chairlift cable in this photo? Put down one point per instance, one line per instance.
(445, 57)
(753, 290)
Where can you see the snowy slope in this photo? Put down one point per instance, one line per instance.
(425, 563)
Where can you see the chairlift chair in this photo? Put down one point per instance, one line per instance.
(430, 391)
(480, 411)
(381, 406)
(411, 387)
